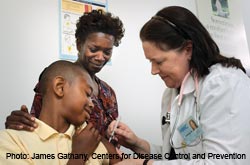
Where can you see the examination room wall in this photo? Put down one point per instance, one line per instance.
(29, 41)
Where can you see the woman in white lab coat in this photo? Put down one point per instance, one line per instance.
(206, 106)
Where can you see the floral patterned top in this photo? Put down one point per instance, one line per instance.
(105, 109)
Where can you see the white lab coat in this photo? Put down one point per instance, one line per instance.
(224, 101)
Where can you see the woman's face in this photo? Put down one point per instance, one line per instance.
(95, 52)
(171, 65)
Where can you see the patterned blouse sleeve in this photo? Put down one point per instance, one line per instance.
(37, 102)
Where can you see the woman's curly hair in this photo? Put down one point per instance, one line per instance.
(99, 21)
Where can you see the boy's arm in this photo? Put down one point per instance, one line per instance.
(114, 156)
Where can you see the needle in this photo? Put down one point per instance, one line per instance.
(116, 124)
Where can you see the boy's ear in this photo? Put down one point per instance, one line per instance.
(58, 86)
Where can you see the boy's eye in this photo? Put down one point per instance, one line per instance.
(88, 94)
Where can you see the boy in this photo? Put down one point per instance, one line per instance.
(60, 137)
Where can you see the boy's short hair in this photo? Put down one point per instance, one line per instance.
(66, 69)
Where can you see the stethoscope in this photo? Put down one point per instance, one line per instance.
(166, 120)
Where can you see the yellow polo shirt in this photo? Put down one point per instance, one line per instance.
(43, 146)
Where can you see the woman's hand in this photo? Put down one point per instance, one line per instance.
(20, 120)
(127, 138)
(123, 134)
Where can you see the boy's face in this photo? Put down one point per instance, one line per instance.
(77, 101)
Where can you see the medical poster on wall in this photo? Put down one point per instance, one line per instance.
(223, 19)
(70, 11)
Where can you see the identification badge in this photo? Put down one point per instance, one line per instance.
(190, 130)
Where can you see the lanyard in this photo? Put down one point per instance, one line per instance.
(167, 118)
